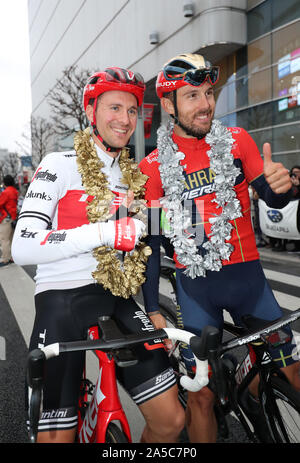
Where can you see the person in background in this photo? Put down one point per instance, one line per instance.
(295, 177)
(8, 216)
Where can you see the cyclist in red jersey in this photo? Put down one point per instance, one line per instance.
(76, 224)
(199, 176)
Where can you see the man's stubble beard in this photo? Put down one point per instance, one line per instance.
(193, 131)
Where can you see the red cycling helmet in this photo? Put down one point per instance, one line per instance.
(185, 69)
(112, 78)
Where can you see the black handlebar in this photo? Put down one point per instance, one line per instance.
(209, 341)
(35, 379)
(204, 347)
(207, 347)
(36, 368)
(112, 339)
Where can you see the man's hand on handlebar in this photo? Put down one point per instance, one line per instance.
(159, 322)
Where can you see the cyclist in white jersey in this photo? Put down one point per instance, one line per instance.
(57, 231)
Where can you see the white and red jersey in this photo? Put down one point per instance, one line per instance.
(53, 230)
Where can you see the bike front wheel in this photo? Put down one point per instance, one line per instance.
(114, 435)
(282, 414)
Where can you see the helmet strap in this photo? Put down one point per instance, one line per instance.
(175, 107)
(108, 147)
(175, 115)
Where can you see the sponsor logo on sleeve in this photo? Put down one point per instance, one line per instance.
(27, 234)
(152, 158)
(38, 195)
(54, 237)
(70, 155)
(44, 175)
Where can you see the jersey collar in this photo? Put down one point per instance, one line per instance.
(193, 144)
(106, 158)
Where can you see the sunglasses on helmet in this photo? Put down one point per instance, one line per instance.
(194, 77)
(125, 77)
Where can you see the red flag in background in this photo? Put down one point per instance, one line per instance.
(148, 115)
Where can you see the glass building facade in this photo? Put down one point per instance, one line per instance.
(259, 86)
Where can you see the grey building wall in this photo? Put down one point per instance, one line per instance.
(99, 33)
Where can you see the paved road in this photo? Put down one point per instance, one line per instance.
(16, 319)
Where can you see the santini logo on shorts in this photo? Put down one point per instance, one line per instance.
(167, 374)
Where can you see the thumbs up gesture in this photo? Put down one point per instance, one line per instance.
(275, 173)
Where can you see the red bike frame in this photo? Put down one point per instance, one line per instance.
(105, 405)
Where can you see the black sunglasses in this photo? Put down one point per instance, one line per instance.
(194, 77)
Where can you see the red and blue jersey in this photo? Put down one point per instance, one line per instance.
(199, 180)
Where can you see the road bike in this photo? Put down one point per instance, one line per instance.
(207, 350)
(100, 402)
(97, 416)
(278, 409)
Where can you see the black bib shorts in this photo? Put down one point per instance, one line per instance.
(66, 315)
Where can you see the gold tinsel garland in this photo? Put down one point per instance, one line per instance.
(121, 278)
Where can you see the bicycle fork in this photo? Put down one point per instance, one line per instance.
(233, 401)
(268, 400)
(260, 364)
(105, 405)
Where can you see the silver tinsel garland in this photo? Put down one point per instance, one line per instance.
(171, 173)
